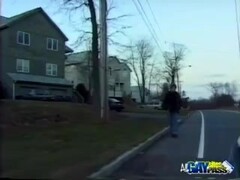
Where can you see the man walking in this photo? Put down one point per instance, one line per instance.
(172, 102)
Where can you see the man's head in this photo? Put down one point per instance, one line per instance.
(173, 87)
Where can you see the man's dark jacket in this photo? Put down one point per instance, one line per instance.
(172, 102)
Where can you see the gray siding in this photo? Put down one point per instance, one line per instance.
(40, 29)
(3, 52)
(4, 56)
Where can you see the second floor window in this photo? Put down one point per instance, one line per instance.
(22, 65)
(51, 69)
(52, 44)
(23, 38)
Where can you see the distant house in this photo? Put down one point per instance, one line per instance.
(78, 68)
(32, 55)
(119, 77)
(136, 95)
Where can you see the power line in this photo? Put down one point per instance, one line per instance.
(154, 17)
(238, 33)
(146, 23)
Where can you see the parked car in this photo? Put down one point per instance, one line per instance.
(115, 104)
(44, 96)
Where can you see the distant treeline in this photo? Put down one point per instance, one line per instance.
(219, 101)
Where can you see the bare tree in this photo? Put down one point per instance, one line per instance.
(75, 6)
(234, 89)
(87, 11)
(173, 62)
(140, 54)
(218, 88)
(231, 89)
(155, 76)
(164, 90)
(215, 88)
(150, 75)
(81, 9)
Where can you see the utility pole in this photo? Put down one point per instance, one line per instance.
(103, 60)
(178, 83)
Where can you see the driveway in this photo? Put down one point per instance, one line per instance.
(206, 135)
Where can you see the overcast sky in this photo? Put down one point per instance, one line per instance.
(207, 28)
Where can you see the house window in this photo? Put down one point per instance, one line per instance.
(23, 38)
(22, 65)
(51, 69)
(52, 44)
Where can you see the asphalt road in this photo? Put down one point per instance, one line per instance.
(206, 135)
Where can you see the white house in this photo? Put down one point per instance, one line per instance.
(136, 94)
(119, 77)
(78, 68)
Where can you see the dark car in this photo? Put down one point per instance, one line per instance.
(37, 95)
(40, 95)
(115, 104)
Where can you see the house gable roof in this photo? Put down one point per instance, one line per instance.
(77, 58)
(82, 57)
(14, 19)
(68, 49)
(3, 20)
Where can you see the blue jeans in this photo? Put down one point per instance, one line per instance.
(173, 118)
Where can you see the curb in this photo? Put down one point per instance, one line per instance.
(119, 161)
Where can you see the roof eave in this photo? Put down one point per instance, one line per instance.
(38, 10)
(55, 25)
(69, 51)
(73, 63)
(4, 27)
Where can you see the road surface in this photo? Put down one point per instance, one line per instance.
(206, 135)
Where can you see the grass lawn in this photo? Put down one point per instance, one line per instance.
(72, 149)
(137, 109)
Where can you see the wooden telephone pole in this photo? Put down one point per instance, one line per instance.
(103, 60)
